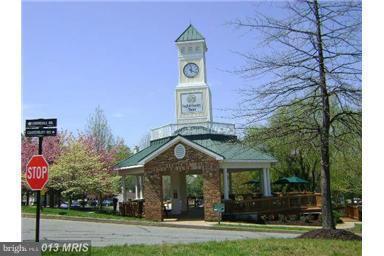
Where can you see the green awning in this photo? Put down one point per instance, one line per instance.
(291, 180)
(252, 182)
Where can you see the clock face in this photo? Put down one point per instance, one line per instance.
(191, 70)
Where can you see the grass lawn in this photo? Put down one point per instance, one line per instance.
(77, 213)
(260, 227)
(270, 247)
(358, 228)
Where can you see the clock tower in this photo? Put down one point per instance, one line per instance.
(193, 97)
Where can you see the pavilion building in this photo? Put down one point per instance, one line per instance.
(194, 144)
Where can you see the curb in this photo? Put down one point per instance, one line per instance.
(153, 224)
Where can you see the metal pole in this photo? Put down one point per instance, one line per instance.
(37, 234)
(225, 181)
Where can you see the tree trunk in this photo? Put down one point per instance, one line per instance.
(69, 202)
(58, 198)
(83, 203)
(27, 203)
(22, 196)
(51, 198)
(327, 216)
(100, 201)
(45, 200)
(314, 178)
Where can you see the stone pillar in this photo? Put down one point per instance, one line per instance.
(211, 189)
(153, 193)
(123, 188)
(225, 179)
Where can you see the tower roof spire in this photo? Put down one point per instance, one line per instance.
(190, 34)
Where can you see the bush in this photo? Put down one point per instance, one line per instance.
(337, 217)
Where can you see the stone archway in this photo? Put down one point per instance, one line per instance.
(166, 163)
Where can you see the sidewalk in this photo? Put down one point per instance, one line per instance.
(201, 223)
(196, 224)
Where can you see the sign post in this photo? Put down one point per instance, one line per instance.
(36, 173)
(220, 208)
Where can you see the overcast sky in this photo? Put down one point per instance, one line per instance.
(122, 56)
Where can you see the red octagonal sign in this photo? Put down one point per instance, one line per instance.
(36, 173)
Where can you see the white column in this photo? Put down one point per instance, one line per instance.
(226, 190)
(123, 188)
(269, 182)
(265, 186)
(137, 188)
(141, 186)
(266, 182)
(175, 190)
(183, 192)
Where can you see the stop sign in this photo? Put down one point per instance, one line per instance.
(36, 173)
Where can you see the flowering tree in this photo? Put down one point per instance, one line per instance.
(98, 138)
(81, 165)
(74, 172)
(52, 148)
(108, 182)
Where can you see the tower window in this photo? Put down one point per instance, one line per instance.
(182, 50)
(190, 49)
(197, 49)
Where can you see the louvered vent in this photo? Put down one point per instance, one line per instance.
(179, 151)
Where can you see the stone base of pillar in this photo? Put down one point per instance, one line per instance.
(153, 193)
(211, 189)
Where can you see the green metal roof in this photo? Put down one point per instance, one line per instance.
(229, 150)
(190, 34)
(233, 150)
(136, 158)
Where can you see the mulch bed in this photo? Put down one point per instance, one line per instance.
(294, 223)
(339, 234)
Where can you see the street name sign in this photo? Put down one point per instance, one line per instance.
(40, 127)
(40, 132)
(36, 173)
(38, 123)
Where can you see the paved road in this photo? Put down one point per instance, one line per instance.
(102, 234)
